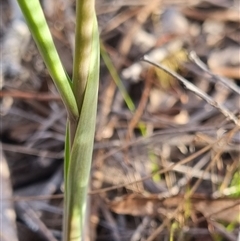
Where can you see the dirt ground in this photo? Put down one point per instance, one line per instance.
(166, 154)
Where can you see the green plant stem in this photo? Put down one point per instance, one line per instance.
(85, 87)
(85, 21)
(37, 24)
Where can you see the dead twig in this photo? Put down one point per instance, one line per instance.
(169, 168)
(228, 83)
(142, 105)
(195, 90)
(16, 94)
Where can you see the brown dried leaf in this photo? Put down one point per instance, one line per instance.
(135, 205)
(225, 209)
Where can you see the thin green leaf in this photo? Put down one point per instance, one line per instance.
(112, 70)
(67, 153)
(37, 24)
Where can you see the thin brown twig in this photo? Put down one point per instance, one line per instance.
(31, 151)
(30, 95)
(186, 197)
(195, 90)
(142, 105)
(166, 221)
(218, 154)
(222, 230)
(148, 139)
(169, 168)
(184, 161)
(208, 216)
(228, 83)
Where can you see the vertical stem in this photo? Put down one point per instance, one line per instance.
(85, 18)
(85, 89)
